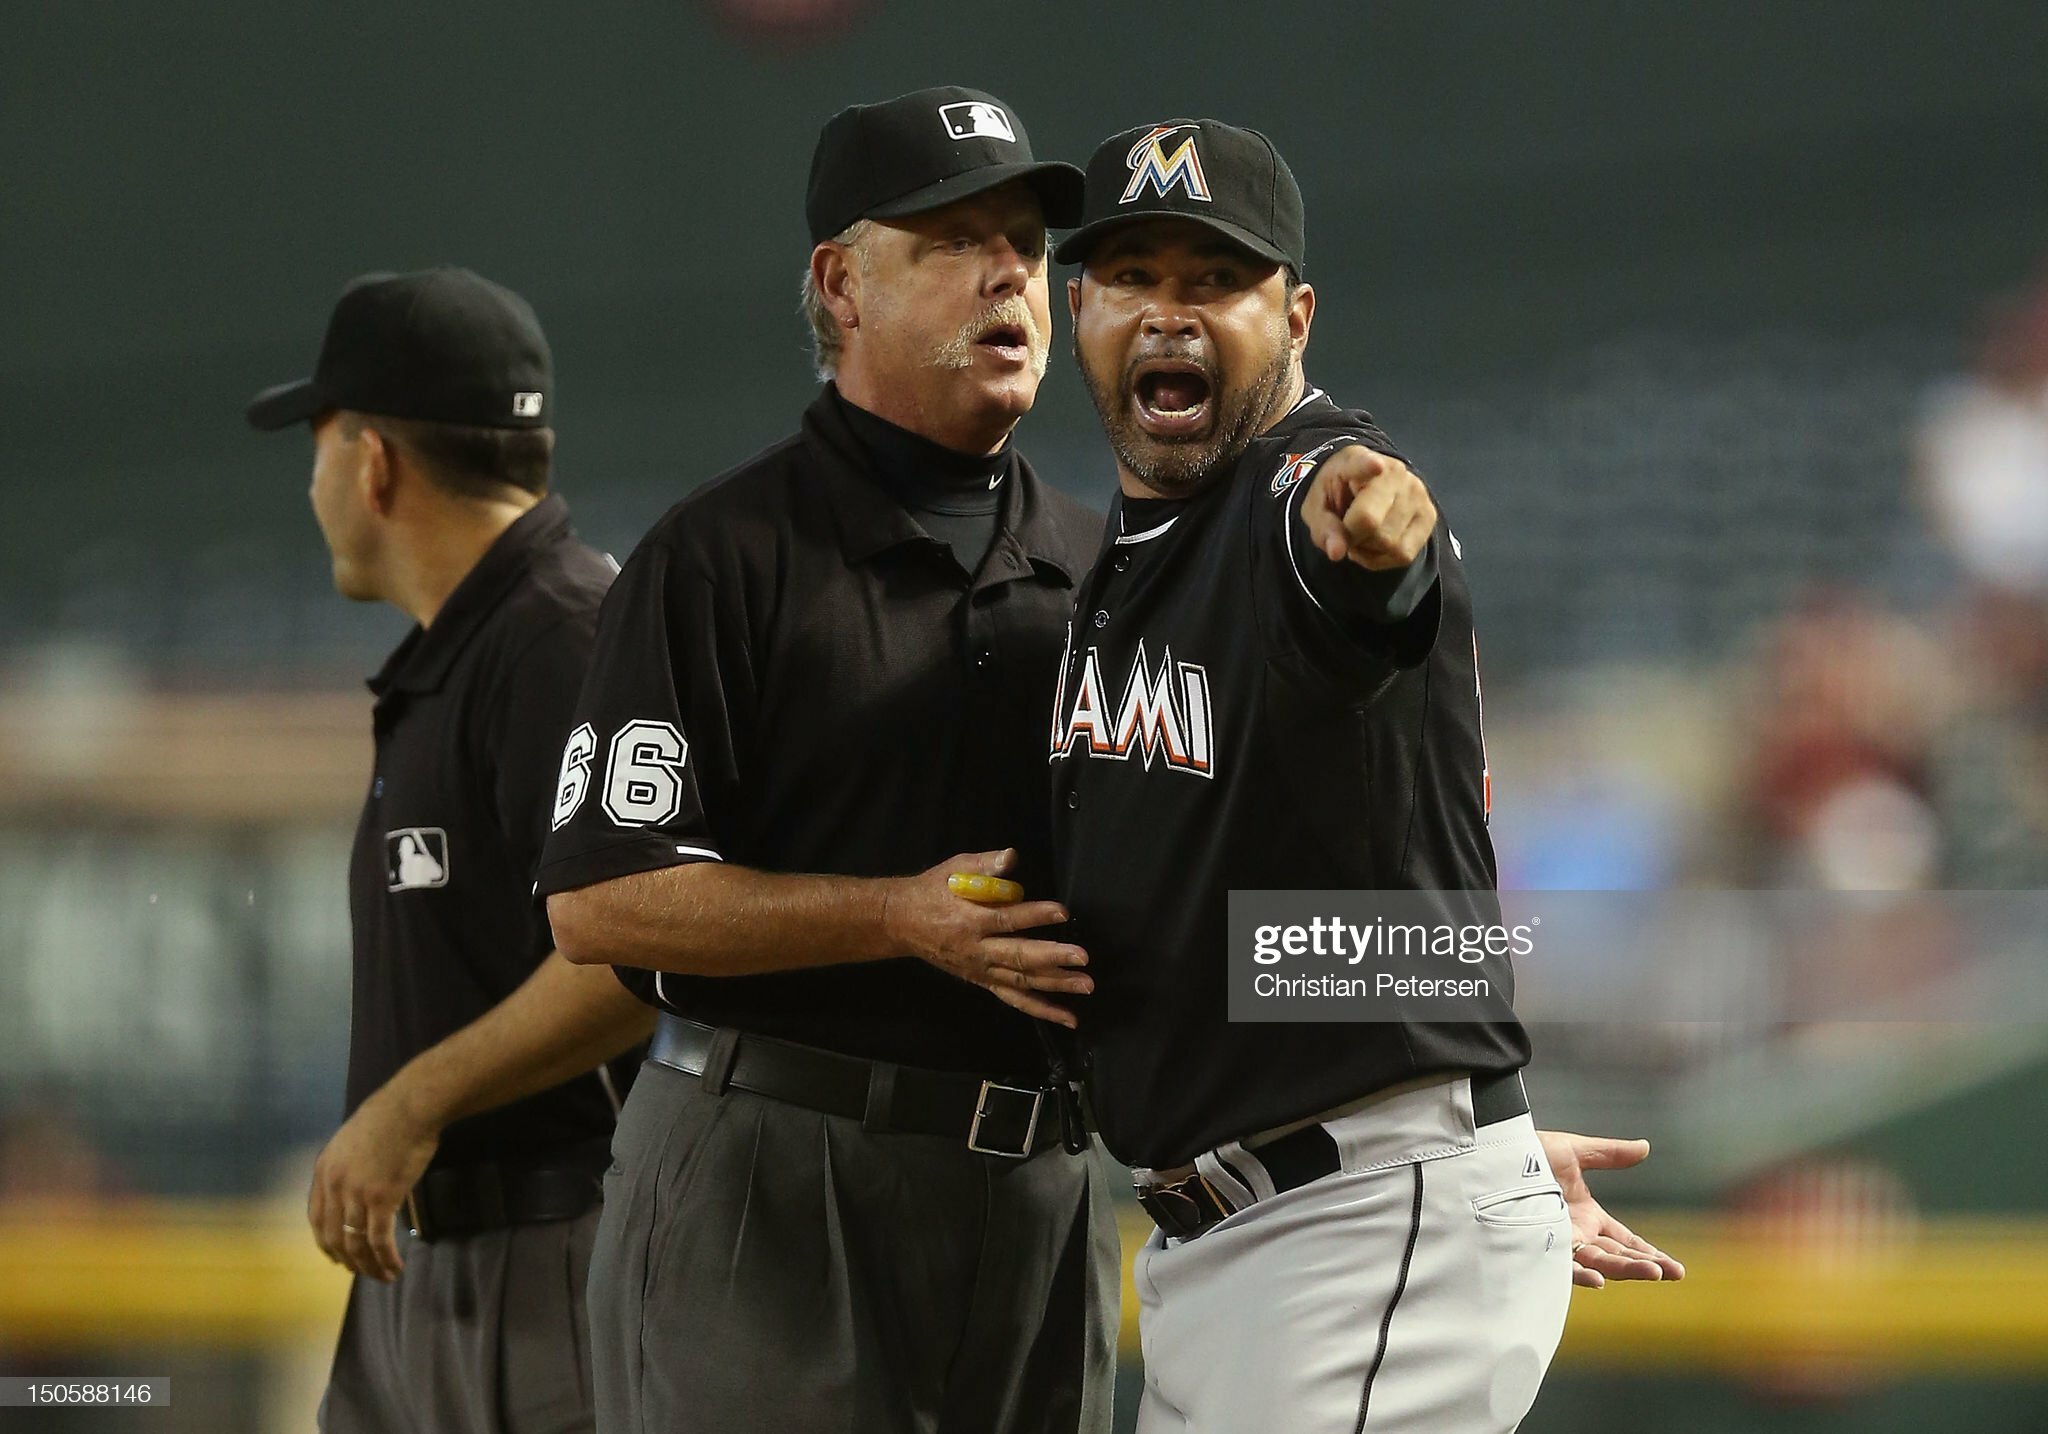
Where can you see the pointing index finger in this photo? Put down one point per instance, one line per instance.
(1355, 462)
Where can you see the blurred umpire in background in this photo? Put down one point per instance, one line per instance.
(480, 1104)
(840, 1199)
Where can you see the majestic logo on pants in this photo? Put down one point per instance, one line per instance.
(1164, 713)
(415, 858)
(1151, 166)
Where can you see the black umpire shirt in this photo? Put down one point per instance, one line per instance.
(793, 675)
(469, 721)
(1236, 711)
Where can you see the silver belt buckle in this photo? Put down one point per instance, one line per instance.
(986, 1104)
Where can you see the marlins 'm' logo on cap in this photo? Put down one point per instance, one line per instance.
(1151, 165)
(977, 119)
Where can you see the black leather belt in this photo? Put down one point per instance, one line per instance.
(462, 1200)
(991, 1117)
(1187, 1207)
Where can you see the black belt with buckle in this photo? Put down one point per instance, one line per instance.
(1187, 1207)
(993, 1118)
(462, 1200)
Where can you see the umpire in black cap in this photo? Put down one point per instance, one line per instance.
(480, 1098)
(844, 1196)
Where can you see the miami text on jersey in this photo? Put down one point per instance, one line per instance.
(1164, 712)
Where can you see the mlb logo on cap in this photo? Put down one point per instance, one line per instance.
(888, 160)
(977, 119)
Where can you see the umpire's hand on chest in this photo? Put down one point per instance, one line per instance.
(978, 943)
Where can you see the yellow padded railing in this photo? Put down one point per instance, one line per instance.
(1949, 1294)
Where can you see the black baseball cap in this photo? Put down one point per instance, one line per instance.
(443, 345)
(923, 150)
(1230, 179)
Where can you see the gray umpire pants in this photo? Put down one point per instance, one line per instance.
(485, 1334)
(760, 1266)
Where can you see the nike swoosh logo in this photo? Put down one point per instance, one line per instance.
(995, 483)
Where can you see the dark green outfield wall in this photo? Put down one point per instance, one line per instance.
(186, 186)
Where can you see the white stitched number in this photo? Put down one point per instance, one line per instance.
(574, 783)
(643, 780)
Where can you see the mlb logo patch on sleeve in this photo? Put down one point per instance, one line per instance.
(415, 858)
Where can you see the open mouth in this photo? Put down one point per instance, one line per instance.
(1007, 341)
(1172, 397)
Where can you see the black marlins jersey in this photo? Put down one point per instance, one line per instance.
(1224, 722)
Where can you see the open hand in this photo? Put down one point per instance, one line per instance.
(1603, 1248)
(361, 1179)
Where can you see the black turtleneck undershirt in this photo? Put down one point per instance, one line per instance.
(956, 497)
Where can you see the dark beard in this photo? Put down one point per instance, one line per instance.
(1176, 468)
